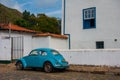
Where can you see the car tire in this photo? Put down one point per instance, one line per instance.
(19, 66)
(48, 67)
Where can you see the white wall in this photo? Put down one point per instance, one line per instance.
(27, 41)
(27, 44)
(50, 42)
(107, 23)
(92, 57)
(58, 43)
(5, 49)
(40, 42)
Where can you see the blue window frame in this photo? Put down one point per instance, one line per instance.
(89, 18)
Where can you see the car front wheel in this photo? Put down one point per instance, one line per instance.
(48, 67)
(19, 66)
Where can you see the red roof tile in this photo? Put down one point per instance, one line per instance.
(15, 28)
(49, 34)
(18, 28)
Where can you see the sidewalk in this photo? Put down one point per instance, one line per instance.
(95, 69)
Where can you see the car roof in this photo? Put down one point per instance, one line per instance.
(45, 49)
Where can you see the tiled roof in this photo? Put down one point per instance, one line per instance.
(18, 28)
(49, 34)
(15, 28)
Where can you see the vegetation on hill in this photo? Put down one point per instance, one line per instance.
(8, 14)
(41, 22)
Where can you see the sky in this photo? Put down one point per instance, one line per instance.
(52, 8)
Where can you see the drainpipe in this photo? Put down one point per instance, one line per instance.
(9, 24)
(63, 23)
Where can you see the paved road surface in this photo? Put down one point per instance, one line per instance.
(10, 73)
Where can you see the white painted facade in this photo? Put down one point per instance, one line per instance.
(50, 42)
(6, 44)
(58, 43)
(107, 23)
(11, 49)
(107, 57)
(39, 42)
(5, 49)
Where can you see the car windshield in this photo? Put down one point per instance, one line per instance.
(55, 52)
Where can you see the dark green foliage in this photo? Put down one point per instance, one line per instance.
(22, 22)
(41, 22)
(47, 24)
(26, 15)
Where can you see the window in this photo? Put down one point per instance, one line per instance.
(100, 45)
(42, 53)
(55, 52)
(33, 53)
(89, 18)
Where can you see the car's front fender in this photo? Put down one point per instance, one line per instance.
(23, 62)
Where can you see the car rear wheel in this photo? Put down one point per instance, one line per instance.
(48, 67)
(19, 66)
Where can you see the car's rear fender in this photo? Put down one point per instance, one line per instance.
(52, 61)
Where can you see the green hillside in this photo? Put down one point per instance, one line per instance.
(8, 14)
(41, 22)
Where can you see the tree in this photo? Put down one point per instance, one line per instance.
(47, 24)
(26, 15)
(41, 23)
(22, 22)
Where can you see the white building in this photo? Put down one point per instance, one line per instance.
(92, 24)
(50, 41)
(16, 41)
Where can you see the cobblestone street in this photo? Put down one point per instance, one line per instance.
(9, 72)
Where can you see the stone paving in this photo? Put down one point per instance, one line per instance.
(9, 72)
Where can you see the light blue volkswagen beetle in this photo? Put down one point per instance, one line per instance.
(45, 58)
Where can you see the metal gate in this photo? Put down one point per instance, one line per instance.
(17, 47)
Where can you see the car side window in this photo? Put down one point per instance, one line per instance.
(34, 53)
(42, 53)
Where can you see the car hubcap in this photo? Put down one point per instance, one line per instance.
(19, 66)
(48, 67)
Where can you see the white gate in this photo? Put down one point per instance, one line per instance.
(17, 47)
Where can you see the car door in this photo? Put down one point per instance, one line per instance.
(32, 59)
(42, 57)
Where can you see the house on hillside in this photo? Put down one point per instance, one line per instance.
(16, 41)
(91, 24)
